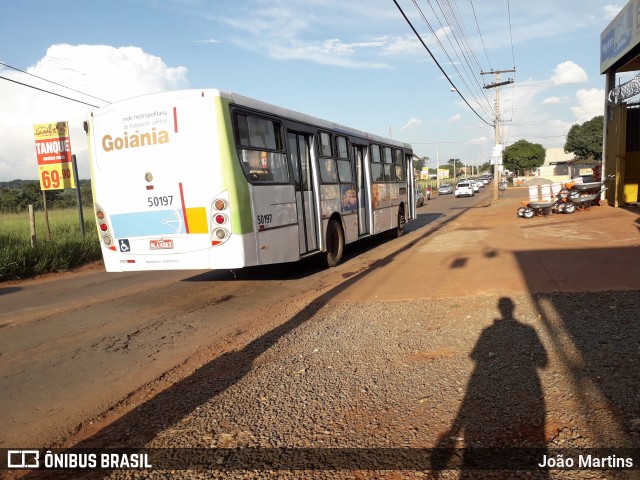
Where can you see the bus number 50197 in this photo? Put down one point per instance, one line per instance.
(264, 219)
(163, 201)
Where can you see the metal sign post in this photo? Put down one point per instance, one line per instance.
(78, 195)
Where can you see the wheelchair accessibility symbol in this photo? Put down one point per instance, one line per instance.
(124, 245)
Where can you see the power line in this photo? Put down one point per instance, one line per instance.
(47, 91)
(435, 36)
(51, 81)
(479, 33)
(452, 142)
(513, 57)
(454, 21)
(437, 63)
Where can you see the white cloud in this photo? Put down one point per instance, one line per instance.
(455, 118)
(569, 72)
(413, 122)
(305, 30)
(208, 40)
(403, 45)
(610, 11)
(590, 104)
(551, 100)
(106, 72)
(327, 52)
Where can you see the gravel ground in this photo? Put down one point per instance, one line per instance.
(552, 371)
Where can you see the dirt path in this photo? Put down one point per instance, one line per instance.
(76, 346)
(374, 352)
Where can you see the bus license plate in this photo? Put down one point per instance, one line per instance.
(161, 244)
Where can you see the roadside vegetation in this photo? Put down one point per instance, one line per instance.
(65, 249)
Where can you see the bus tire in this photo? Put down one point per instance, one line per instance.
(335, 244)
(399, 231)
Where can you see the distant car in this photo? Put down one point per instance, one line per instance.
(445, 189)
(475, 185)
(419, 198)
(464, 189)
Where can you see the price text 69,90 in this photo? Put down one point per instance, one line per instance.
(53, 179)
(162, 201)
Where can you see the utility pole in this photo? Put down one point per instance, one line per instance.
(437, 166)
(496, 123)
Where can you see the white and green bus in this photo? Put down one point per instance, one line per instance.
(206, 179)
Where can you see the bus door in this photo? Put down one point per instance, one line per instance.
(411, 186)
(363, 191)
(300, 156)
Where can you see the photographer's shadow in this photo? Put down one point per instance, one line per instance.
(504, 404)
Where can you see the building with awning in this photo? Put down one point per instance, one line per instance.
(620, 53)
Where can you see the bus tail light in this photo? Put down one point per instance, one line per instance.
(105, 229)
(220, 220)
(219, 236)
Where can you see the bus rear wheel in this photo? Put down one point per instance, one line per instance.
(399, 231)
(335, 244)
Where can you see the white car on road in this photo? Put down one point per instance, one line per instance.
(464, 189)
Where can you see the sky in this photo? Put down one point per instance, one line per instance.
(357, 63)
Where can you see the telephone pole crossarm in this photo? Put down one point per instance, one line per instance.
(493, 85)
(494, 72)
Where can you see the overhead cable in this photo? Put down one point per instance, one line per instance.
(452, 19)
(55, 83)
(480, 34)
(47, 91)
(438, 64)
(513, 57)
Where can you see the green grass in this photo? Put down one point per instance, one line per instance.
(67, 248)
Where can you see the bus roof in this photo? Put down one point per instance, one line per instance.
(261, 106)
(304, 118)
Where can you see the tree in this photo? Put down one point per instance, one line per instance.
(486, 167)
(454, 165)
(523, 156)
(9, 200)
(585, 140)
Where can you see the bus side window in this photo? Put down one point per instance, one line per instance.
(345, 173)
(261, 149)
(398, 158)
(277, 164)
(326, 149)
(293, 153)
(389, 171)
(377, 173)
(328, 169)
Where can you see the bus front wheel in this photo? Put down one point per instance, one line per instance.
(335, 244)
